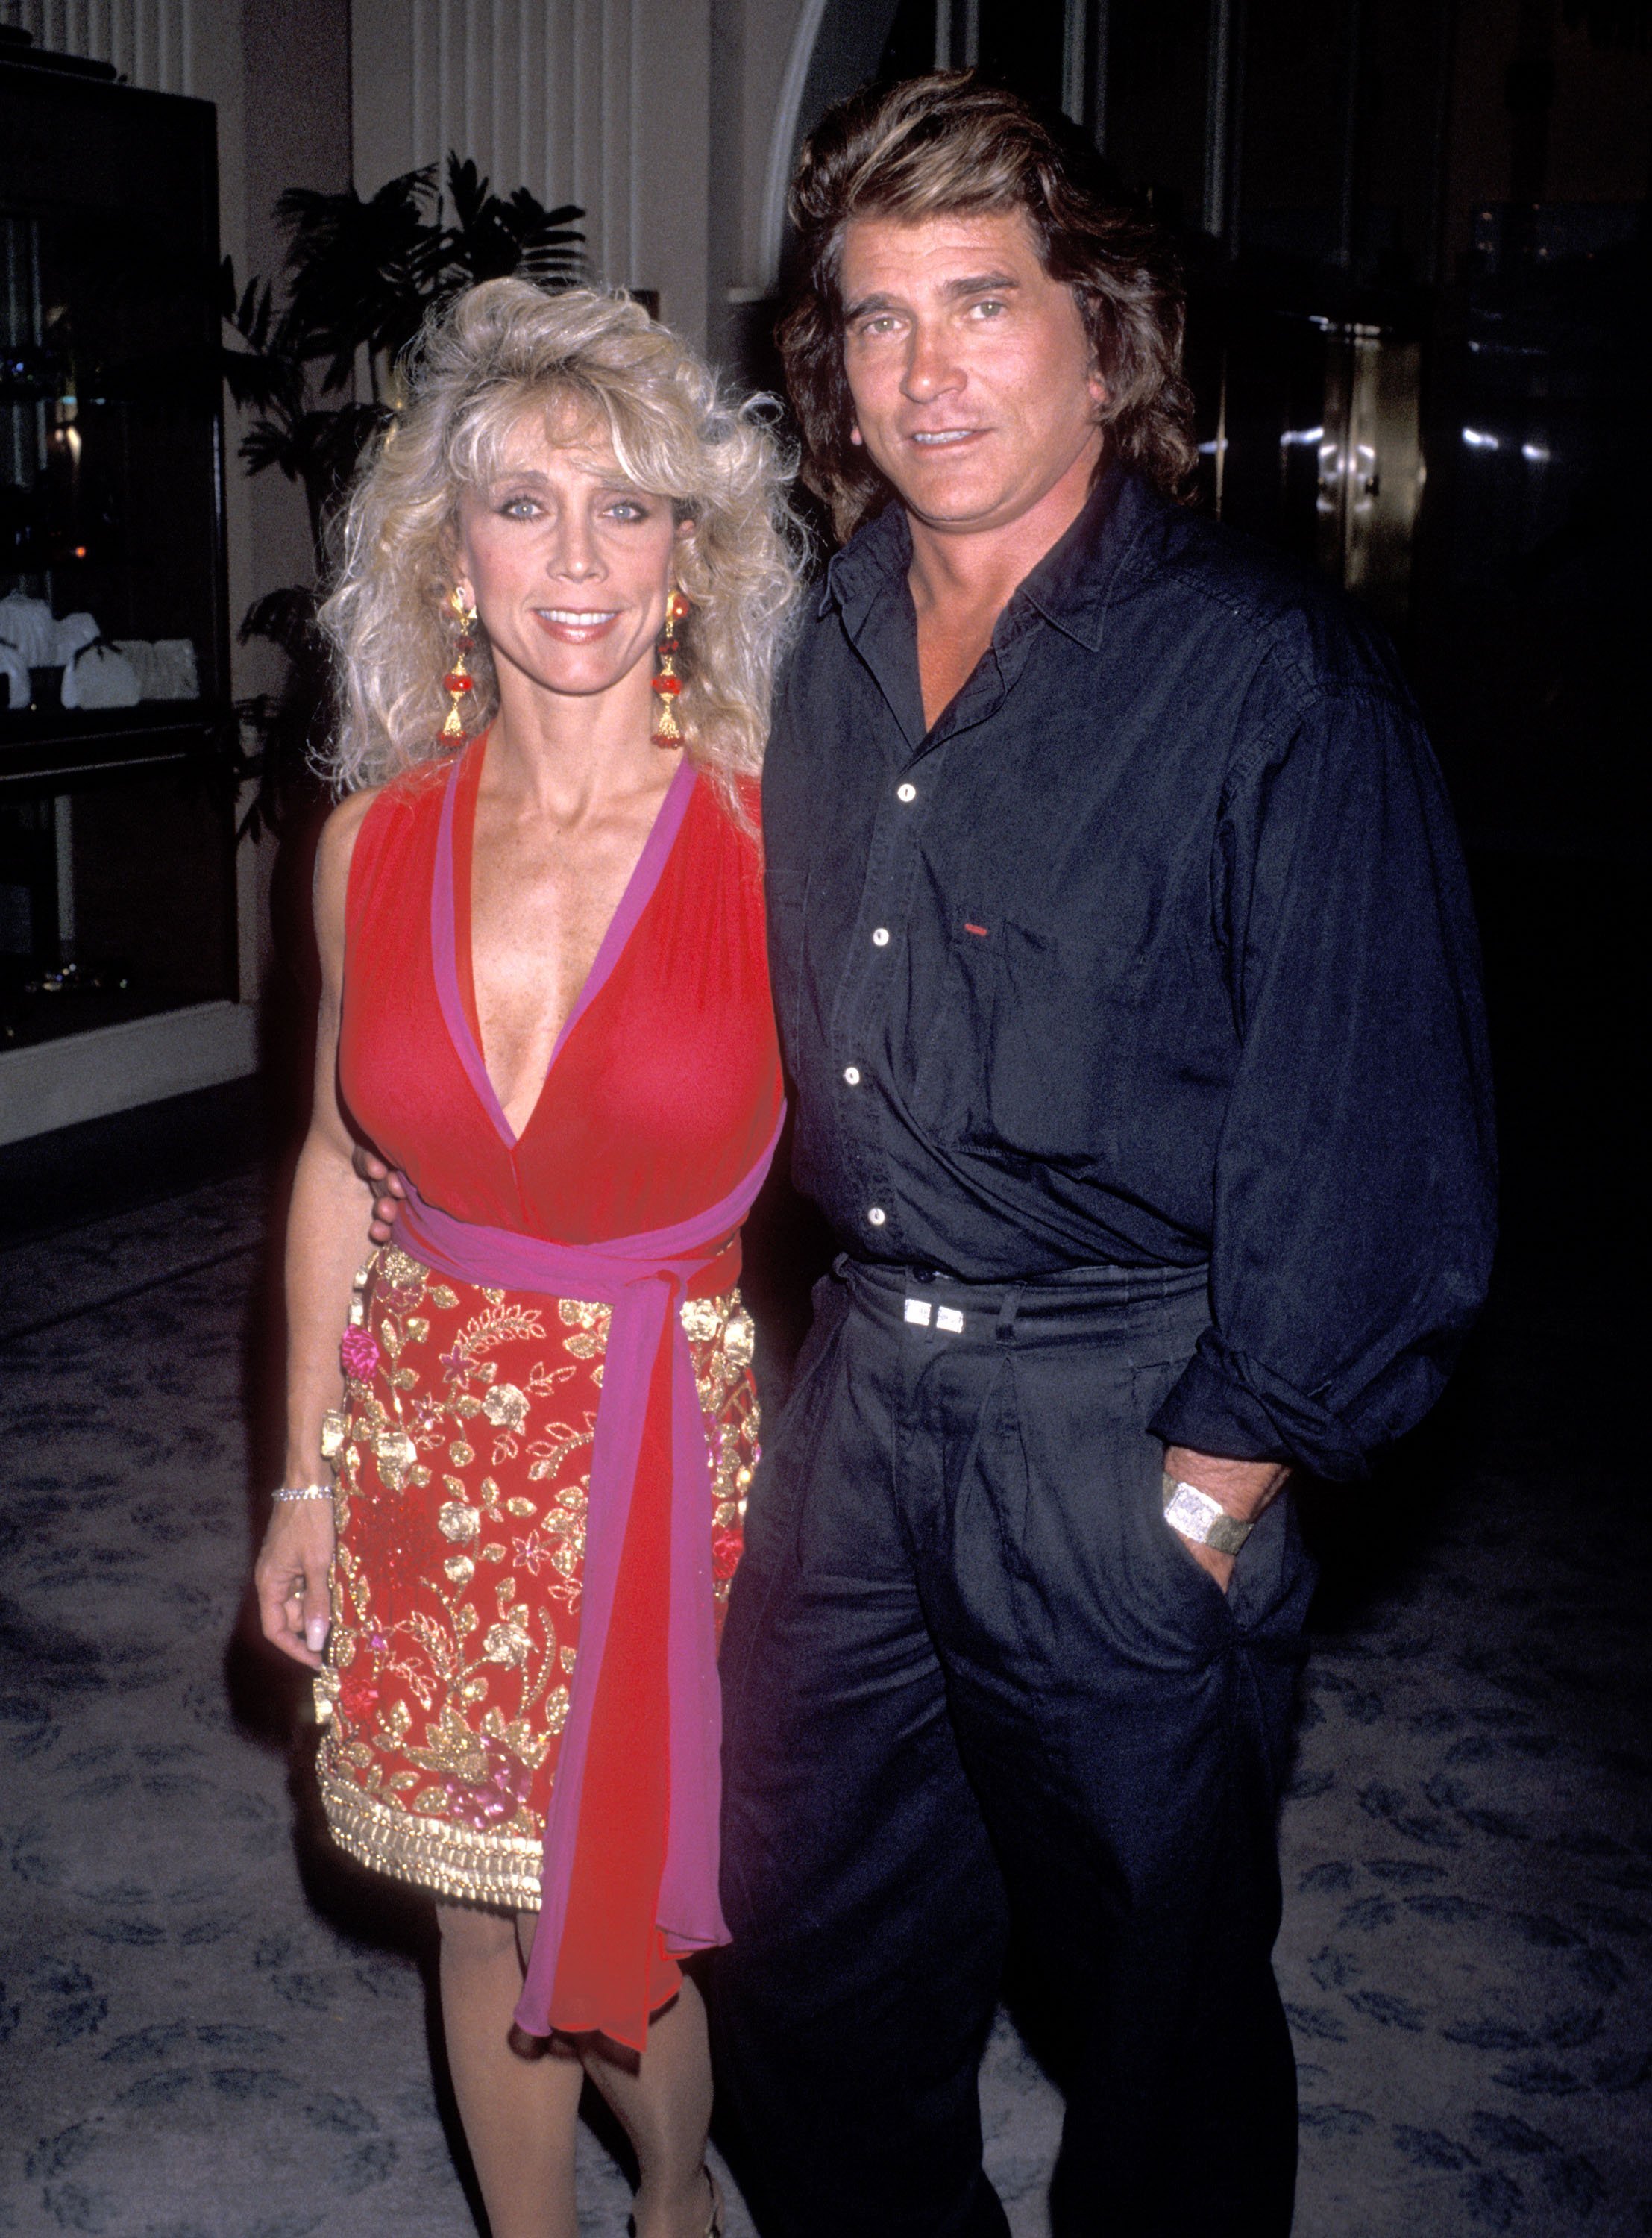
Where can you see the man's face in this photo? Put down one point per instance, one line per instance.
(974, 387)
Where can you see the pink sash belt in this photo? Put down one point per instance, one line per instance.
(642, 1278)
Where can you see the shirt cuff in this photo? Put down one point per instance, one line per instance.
(1225, 1404)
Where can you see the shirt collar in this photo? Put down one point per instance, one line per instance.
(1076, 580)
(875, 557)
(1071, 586)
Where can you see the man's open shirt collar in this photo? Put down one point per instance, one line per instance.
(1071, 587)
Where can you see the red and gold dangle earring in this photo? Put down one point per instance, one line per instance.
(459, 680)
(668, 731)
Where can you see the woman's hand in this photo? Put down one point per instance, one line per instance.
(293, 1576)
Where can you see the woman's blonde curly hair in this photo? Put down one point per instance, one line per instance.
(495, 353)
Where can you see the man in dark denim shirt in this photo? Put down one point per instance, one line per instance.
(1179, 965)
(1126, 977)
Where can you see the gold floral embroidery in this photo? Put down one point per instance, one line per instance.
(398, 1272)
(589, 1325)
(505, 1406)
(433, 1779)
(396, 1454)
(504, 1324)
(506, 1643)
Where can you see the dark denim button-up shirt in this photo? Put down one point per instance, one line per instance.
(1156, 951)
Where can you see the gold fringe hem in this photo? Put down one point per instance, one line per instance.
(451, 1861)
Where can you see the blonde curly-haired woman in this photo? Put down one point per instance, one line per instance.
(514, 1492)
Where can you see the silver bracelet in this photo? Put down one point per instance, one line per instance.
(302, 1491)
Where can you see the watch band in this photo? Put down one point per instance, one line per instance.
(1204, 1521)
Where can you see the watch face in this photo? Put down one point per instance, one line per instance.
(1192, 1513)
(1203, 1520)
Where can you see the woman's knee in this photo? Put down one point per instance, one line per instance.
(472, 1936)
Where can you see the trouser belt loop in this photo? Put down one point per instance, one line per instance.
(1005, 1330)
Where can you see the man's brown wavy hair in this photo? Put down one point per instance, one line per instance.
(948, 144)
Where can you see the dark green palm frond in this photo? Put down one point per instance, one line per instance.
(318, 449)
(255, 383)
(466, 189)
(551, 250)
(480, 245)
(284, 618)
(272, 443)
(358, 272)
(264, 376)
(251, 312)
(493, 239)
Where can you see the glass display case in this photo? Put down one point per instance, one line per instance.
(116, 838)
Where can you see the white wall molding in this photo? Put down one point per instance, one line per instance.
(116, 1067)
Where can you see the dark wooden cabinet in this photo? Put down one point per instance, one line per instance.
(116, 846)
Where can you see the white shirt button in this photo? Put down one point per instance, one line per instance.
(881, 937)
(852, 1074)
(877, 1216)
(906, 792)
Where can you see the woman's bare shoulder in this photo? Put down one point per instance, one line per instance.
(345, 819)
(408, 794)
(336, 849)
(338, 832)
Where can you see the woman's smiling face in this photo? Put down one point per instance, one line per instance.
(569, 563)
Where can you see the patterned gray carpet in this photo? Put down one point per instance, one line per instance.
(210, 2028)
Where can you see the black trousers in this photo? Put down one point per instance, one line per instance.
(972, 1679)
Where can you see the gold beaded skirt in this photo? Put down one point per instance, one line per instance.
(463, 1461)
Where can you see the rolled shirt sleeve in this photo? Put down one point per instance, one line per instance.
(1354, 1210)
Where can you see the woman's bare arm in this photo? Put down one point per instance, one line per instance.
(327, 1241)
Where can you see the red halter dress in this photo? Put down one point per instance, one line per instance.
(549, 1422)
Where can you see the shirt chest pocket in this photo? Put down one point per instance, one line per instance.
(1022, 1046)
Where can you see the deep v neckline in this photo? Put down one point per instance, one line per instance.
(444, 932)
